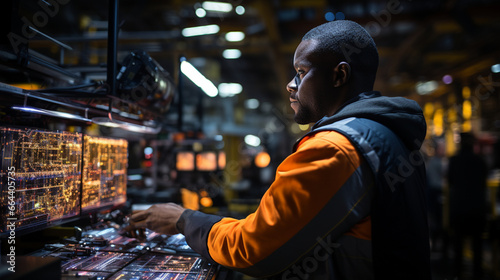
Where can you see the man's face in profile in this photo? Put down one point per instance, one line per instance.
(311, 89)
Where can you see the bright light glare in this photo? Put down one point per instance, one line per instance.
(135, 177)
(447, 79)
(231, 54)
(252, 140)
(235, 36)
(304, 127)
(200, 12)
(240, 10)
(495, 68)
(229, 89)
(252, 103)
(262, 159)
(196, 77)
(426, 87)
(200, 30)
(217, 6)
(148, 151)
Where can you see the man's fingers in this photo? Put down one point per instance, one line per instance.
(142, 224)
(142, 215)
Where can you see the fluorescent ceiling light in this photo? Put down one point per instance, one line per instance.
(231, 54)
(217, 6)
(240, 10)
(252, 140)
(198, 79)
(200, 12)
(235, 36)
(200, 30)
(424, 88)
(229, 89)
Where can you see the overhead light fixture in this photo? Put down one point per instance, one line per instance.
(198, 79)
(231, 53)
(217, 6)
(229, 89)
(424, 88)
(240, 10)
(235, 36)
(200, 30)
(252, 140)
(200, 12)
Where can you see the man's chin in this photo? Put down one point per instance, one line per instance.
(300, 120)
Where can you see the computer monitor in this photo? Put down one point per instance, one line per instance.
(206, 161)
(40, 178)
(184, 161)
(221, 160)
(104, 178)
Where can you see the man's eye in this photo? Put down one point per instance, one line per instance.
(297, 79)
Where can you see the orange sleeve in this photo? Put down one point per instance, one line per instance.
(306, 183)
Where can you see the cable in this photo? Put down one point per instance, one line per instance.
(99, 83)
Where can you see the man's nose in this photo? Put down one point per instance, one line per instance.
(292, 85)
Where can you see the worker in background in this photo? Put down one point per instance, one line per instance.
(467, 174)
(349, 202)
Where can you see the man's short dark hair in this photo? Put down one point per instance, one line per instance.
(350, 42)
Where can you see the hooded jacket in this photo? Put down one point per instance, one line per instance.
(348, 203)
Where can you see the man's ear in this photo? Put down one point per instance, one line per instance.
(341, 74)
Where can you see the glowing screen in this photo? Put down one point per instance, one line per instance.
(104, 172)
(40, 177)
(185, 161)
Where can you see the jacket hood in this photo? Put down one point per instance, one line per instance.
(401, 115)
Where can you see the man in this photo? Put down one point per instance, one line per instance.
(467, 175)
(348, 203)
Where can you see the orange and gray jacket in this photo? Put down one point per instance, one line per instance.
(348, 203)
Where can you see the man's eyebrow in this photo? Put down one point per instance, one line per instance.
(302, 63)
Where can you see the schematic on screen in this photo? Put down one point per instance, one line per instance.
(40, 177)
(104, 172)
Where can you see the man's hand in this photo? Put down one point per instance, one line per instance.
(160, 218)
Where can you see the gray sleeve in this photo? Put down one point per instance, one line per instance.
(196, 226)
